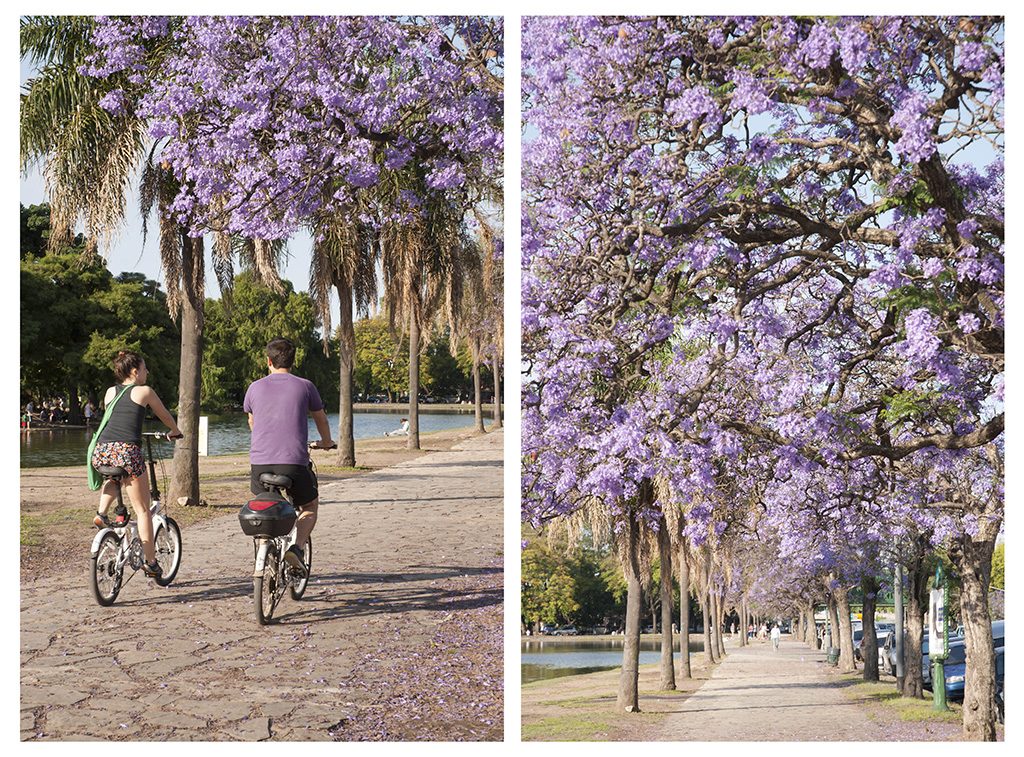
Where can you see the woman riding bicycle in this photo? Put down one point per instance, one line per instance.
(120, 445)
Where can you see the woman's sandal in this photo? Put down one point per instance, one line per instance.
(152, 570)
(102, 521)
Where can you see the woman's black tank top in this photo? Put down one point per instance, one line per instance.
(125, 424)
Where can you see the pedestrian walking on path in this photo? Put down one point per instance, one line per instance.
(776, 636)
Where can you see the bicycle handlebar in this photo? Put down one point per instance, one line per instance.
(162, 435)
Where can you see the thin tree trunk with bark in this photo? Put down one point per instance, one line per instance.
(74, 405)
(847, 662)
(346, 370)
(478, 409)
(719, 612)
(833, 618)
(496, 364)
(184, 484)
(668, 673)
(684, 611)
(743, 620)
(628, 694)
(974, 563)
(917, 579)
(414, 382)
(705, 611)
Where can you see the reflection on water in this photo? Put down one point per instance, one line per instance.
(543, 659)
(229, 434)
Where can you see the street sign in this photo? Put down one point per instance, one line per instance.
(938, 643)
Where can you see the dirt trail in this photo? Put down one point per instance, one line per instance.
(398, 636)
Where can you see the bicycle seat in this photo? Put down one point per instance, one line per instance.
(274, 479)
(109, 471)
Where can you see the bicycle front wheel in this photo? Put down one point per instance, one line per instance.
(167, 542)
(106, 573)
(265, 590)
(298, 585)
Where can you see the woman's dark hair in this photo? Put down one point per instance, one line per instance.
(281, 352)
(125, 362)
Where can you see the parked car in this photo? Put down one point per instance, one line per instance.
(881, 629)
(565, 631)
(547, 629)
(889, 650)
(955, 667)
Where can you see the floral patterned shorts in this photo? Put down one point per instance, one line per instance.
(120, 455)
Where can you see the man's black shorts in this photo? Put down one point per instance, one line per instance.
(304, 489)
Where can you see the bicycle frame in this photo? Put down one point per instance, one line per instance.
(263, 543)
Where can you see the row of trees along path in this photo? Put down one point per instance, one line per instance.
(380, 137)
(763, 314)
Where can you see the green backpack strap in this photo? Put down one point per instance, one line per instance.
(95, 479)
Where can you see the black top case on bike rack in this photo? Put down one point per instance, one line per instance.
(268, 514)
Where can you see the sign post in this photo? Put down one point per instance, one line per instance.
(938, 645)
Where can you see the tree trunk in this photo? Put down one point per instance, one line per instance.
(847, 663)
(870, 588)
(347, 366)
(705, 611)
(743, 620)
(833, 622)
(917, 578)
(684, 611)
(414, 382)
(668, 673)
(185, 469)
(478, 408)
(810, 628)
(74, 405)
(628, 695)
(496, 364)
(719, 612)
(974, 563)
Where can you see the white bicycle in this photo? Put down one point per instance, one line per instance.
(270, 520)
(119, 547)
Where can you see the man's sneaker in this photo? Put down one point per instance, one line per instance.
(153, 569)
(296, 560)
(102, 521)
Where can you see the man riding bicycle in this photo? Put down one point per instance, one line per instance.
(277, 405)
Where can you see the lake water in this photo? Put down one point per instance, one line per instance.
(541, 659)
(229, 434)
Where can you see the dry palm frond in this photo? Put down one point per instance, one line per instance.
(171, 261)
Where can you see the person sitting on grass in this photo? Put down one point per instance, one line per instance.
(120, 446)
(403, 430)
(278, 405)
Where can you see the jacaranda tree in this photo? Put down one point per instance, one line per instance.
(766, 248)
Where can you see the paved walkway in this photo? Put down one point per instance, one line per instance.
(398, 636)
(757, 694)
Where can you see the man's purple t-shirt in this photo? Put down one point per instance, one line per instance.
(280, 404)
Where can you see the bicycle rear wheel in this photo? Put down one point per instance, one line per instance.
(266, 589)
(106, 574)
(167, 542)
(298, 585)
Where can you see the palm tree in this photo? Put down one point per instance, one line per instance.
(345, 254)
(90, 156)
(425, 261)
(480, 318)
